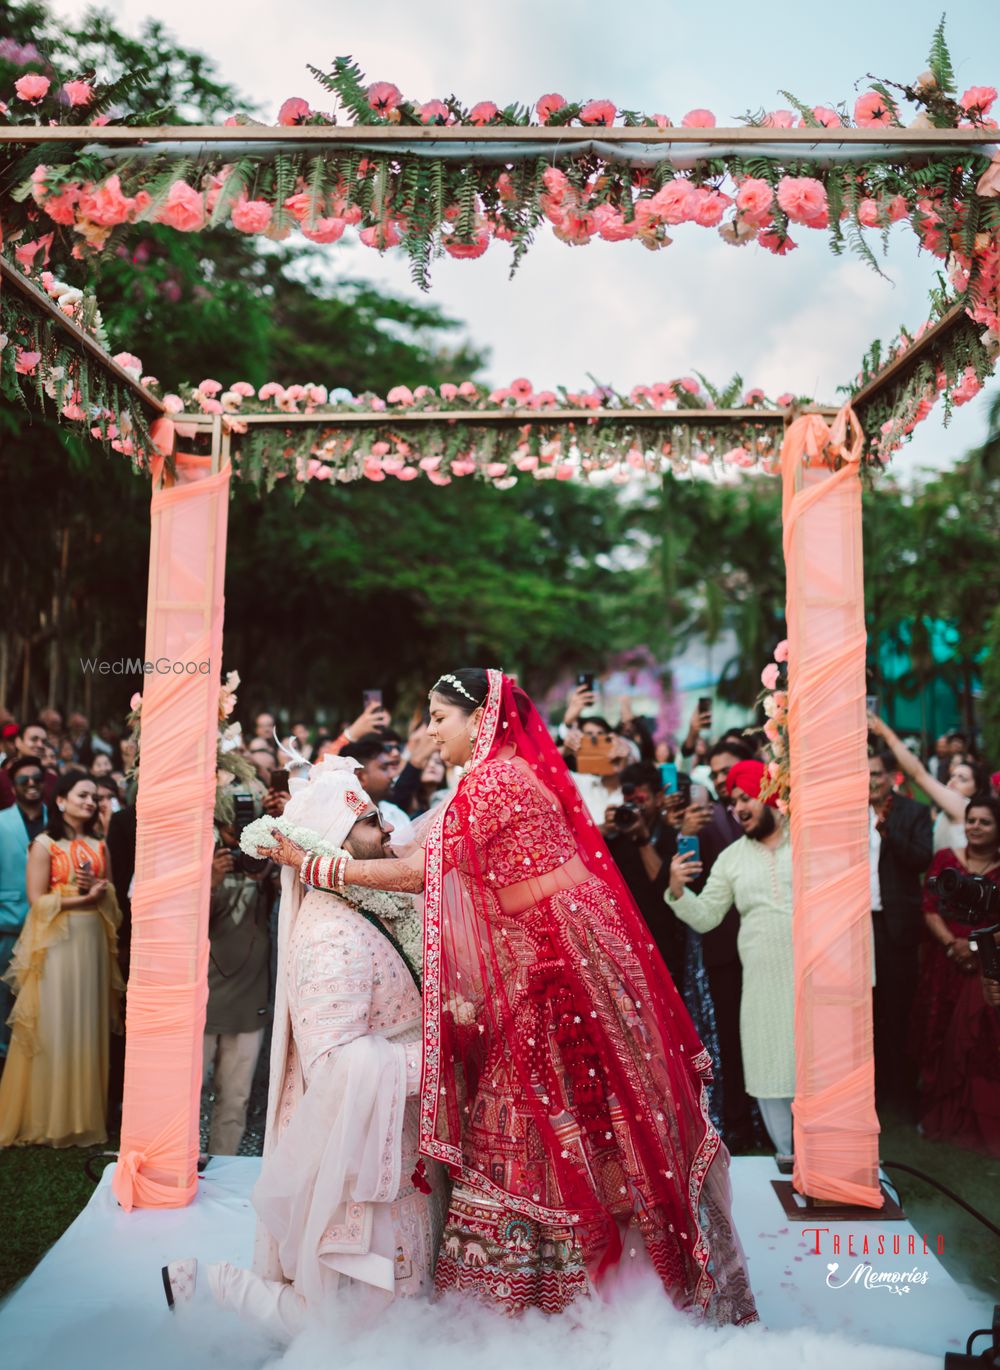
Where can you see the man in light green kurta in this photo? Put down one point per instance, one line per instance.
(755, 874)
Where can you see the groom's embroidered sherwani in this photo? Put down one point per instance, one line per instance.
(343, 1112)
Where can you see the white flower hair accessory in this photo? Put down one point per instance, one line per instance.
(455, 684)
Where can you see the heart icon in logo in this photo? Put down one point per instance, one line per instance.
(831, 1269)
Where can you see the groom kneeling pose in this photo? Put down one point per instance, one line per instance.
(340, 1198)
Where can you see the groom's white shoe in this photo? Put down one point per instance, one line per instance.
(180, 1280)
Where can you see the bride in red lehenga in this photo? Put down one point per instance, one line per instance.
(563, 1082)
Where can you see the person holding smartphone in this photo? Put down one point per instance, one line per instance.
(755, 874)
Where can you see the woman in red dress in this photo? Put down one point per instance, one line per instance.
(958, 1033)
(563, 1082)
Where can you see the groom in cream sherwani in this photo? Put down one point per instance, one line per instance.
(342, 1209)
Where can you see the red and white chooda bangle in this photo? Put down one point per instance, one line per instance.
(324, 873)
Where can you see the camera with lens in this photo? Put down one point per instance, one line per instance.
(971, 897)
(243, 813)
(625, 816)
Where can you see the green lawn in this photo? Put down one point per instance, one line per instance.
(41, 1192)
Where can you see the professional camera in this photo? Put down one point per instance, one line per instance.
(243, 813)
(625, 816)
(971, 897)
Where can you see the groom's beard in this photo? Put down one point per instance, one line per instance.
(370, 850)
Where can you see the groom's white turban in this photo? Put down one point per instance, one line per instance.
(332, 801)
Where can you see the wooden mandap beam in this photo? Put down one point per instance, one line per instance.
(9, 275)
(923, 347)
(370, 418)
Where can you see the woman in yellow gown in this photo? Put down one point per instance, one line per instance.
(65, 975)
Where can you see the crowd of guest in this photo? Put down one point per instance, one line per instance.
(698, 839)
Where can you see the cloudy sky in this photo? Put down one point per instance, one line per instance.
(616, 311)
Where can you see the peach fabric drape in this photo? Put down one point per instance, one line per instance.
(168, 982)
(836, 1130)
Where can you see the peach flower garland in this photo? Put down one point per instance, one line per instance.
(774, 701)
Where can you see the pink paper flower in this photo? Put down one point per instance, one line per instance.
(128, 362)
(78, 92)
(400, 394)
(555, 181)
(803, 199)
(661, 393)
(868, 213)
(384, 97)
(778, 118)
(251, 216)
(61, 208)
(598, 112)
(183, 209)
(755, 199)
(447, 390)
(769, 676)
(325, 230)
(106, 205)
(294, 111)
(753, 397)
(434, 112)
(969, 386)
(468, 390)
(209, 387)
(786, 399)
(781, 651)
(576, 227)
(689, 384)
(825, 117)
(173, 404)
(611, 224)
(467, 251)
(672, 203)
(32, 87)
(896, 209)
(978, 100)
(706, 207)
(271, 390)
(25, 362)
(300, 205)
(483, 113)
(871, 110)
(698, 118)
(780, 245)
(522, 389)
(381, 236)
(547, 105)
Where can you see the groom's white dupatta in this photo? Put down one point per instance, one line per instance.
(332, 1151)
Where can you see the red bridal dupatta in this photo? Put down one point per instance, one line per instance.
(562, 1076)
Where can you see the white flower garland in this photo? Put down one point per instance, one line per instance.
(407, 925)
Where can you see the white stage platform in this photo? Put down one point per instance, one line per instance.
(95, 1303)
